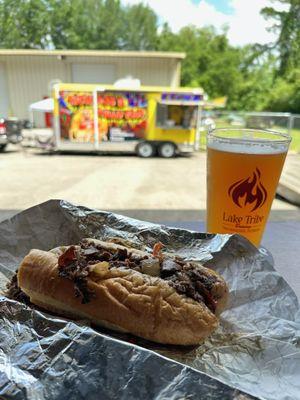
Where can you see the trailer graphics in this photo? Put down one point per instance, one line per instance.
(148, 120)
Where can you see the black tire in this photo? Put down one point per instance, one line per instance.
(167, 150)
(145, 150)
(2, 147)
(15, 138)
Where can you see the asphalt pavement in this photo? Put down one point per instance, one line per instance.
(151, 189)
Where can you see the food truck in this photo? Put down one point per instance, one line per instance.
(147, 120)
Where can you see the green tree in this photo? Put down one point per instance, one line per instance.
(76, 24)
(211, 62)
(24, 24)
(287, 26)
(89, 24)
(102, 24)
(257, 75)
(285, 93)
(139, 28)
(68, 21)
(109, 26)
(185, 41)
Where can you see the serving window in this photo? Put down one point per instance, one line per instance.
(176, 116)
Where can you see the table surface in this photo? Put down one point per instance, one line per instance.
(282, 239)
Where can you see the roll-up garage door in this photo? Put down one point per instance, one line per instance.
(93, 73)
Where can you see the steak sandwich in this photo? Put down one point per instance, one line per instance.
(156, 296)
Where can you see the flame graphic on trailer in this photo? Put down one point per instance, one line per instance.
(249, 191)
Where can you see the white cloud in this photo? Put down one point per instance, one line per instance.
(246, 25)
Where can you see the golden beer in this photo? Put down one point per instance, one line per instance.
(243, 170)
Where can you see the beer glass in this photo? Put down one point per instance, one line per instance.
(243, 170)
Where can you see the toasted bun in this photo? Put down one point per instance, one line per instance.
(219, 290)
(125, 300)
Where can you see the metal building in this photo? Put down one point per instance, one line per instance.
(26, 75)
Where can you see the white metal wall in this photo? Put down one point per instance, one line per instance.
(151, 71)
(28, 77)
(4, 95)
(93, 73)
(27, 81)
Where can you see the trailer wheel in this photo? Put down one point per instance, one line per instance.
(145, 150)
(167, 150)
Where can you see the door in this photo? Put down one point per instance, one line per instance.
(93, 73)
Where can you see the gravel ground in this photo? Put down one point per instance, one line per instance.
(151, 189)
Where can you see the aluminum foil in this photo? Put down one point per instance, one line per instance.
(256, 349)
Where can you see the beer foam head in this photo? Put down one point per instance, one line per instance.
(248, 141)
(247, 147)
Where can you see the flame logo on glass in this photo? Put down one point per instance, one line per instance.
(249, 191)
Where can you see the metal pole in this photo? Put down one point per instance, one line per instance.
(95, 108)
(56, 124)
(198, 125)
(96, 129)
(31, 118)
(290, 123)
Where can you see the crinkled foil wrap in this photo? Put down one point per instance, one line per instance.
(256, 349)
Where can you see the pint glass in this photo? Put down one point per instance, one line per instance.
(243, 170)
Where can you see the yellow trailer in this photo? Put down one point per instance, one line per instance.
(147, 120)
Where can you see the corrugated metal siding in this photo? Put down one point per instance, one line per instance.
(151, 71)
(4, 97)
(29, 76)
(28, 80)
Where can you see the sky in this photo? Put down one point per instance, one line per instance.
(242, 17)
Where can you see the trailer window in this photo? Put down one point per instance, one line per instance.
(169, 115)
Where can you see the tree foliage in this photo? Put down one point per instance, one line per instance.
(211, 61)
(23, 24)
(89, 24)
(253, 77)
(285, 93)
(140, 28)
(286, 23)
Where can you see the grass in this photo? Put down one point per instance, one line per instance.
(295, 144)
(295, 133)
